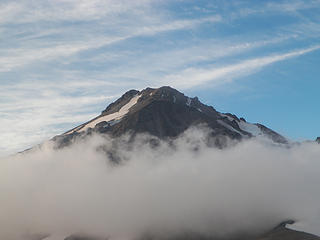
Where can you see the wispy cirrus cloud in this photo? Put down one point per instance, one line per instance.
(274, 7)
(192, 77)
(13, 58)
(66, 10)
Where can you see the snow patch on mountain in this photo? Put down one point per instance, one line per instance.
(250, 128)
(301, 227)
(188, 102)
(227, 116)
(111, 119)
(228, 126)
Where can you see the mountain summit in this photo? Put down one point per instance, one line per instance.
(165, 112)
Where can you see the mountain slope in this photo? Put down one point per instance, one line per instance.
(165, 112)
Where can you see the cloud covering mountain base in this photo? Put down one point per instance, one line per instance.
(181, 186)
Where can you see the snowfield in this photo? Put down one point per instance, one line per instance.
(112, 118)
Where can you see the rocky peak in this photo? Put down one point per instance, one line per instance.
(165, 112)
(169, 94)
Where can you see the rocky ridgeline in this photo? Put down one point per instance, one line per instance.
(166, 113)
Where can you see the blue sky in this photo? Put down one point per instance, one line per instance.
(62, 62)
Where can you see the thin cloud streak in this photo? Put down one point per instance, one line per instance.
(288, 7)
(66, 10)
(192, 77)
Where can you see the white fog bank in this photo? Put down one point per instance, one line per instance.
(251, 186)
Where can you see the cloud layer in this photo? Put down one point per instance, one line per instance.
(251, 186)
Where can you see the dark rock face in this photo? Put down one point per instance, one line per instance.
(166, 113)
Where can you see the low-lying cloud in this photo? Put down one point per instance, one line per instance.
(164, 189)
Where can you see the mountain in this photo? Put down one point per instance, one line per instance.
(166, 113)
